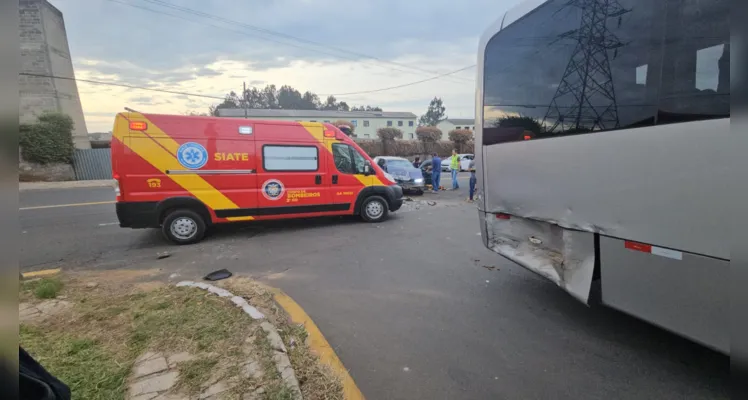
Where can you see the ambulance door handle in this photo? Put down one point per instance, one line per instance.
(318, 179)
(334, 179)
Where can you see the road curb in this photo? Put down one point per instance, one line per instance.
(280, 356)
(24, 186)
(39, 274)
(318, 344)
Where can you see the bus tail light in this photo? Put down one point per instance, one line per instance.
(502, 216)
(117, 191)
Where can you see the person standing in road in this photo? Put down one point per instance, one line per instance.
(417, 162)
(436, 171)
(454, 165)
(473, 180)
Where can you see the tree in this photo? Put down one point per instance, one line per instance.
(519, 121)
(388, 136)
(286, 98)
(460, 137)
(428, 135)
(365, 108)
(434, 114)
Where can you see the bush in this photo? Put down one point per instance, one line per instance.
(389, 133)
(408, 148)
(460, 137)
(49, 140)
(428, 133)
(350, 126)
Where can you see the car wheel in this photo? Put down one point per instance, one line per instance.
(374, 209)
(183, 226)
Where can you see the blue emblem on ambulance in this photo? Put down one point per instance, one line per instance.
(192, 155)
(272, 189)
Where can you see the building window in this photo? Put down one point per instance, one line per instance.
(366, 123)
(389, 123)
(366, 135)
(312, 121)
(347, 160)
(290, 158)
(458, 127)
(327, 121)
(354, 122)
(399, 123)
(410, 135)
(410, 123)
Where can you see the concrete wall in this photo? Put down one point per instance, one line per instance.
(45, 51)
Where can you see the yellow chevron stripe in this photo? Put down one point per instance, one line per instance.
(317, 130)
(163, 159)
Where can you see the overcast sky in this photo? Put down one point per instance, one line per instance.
(178, 50)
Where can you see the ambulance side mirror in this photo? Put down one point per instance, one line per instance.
(367, 168)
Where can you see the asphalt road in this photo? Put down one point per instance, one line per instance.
(407, 304)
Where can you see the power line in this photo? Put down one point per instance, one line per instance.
(205, 15)
(403, 85)
(223, 98)
(121, 85)
(281, 34)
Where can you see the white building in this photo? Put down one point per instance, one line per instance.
(455, 123)
(366, 122)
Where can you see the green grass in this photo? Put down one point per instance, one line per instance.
(93, 348)
(194, 373)
(84, 364)
(44, 288)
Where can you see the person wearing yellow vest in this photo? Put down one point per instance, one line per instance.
(454, 165)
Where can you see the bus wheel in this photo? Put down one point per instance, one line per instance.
(374, 209)
(183, 226)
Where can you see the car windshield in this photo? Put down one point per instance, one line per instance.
(399, 164)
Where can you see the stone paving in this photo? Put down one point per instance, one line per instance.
(155, 375)
(35, 312)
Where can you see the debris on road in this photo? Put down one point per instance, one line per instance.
(491, 267)
(218, 275)
(431, 203)
(92, 285)
(163, 255)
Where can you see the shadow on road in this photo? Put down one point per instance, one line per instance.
(632, 340)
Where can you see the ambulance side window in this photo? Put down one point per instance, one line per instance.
(343, 158)
(358, 161)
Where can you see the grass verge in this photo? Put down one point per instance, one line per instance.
(93, 346)
(316, 381)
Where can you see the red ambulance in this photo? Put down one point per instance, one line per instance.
(184, 173)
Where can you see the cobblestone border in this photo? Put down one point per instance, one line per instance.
(280, 353)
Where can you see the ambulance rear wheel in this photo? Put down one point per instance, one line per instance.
(374, 209)
(183, 226)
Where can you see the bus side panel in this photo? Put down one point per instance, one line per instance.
(681, 292)
(566, 257)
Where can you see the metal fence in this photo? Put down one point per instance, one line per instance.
(92, 164)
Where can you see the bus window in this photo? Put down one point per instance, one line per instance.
(545, 74)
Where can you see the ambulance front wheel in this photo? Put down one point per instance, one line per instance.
(183, 226)
(374, 209)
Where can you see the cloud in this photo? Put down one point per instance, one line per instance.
(387, 43)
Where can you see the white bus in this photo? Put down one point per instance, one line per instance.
(602, 145)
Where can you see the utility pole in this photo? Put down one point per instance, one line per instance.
(585, 100)
(244, 99)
